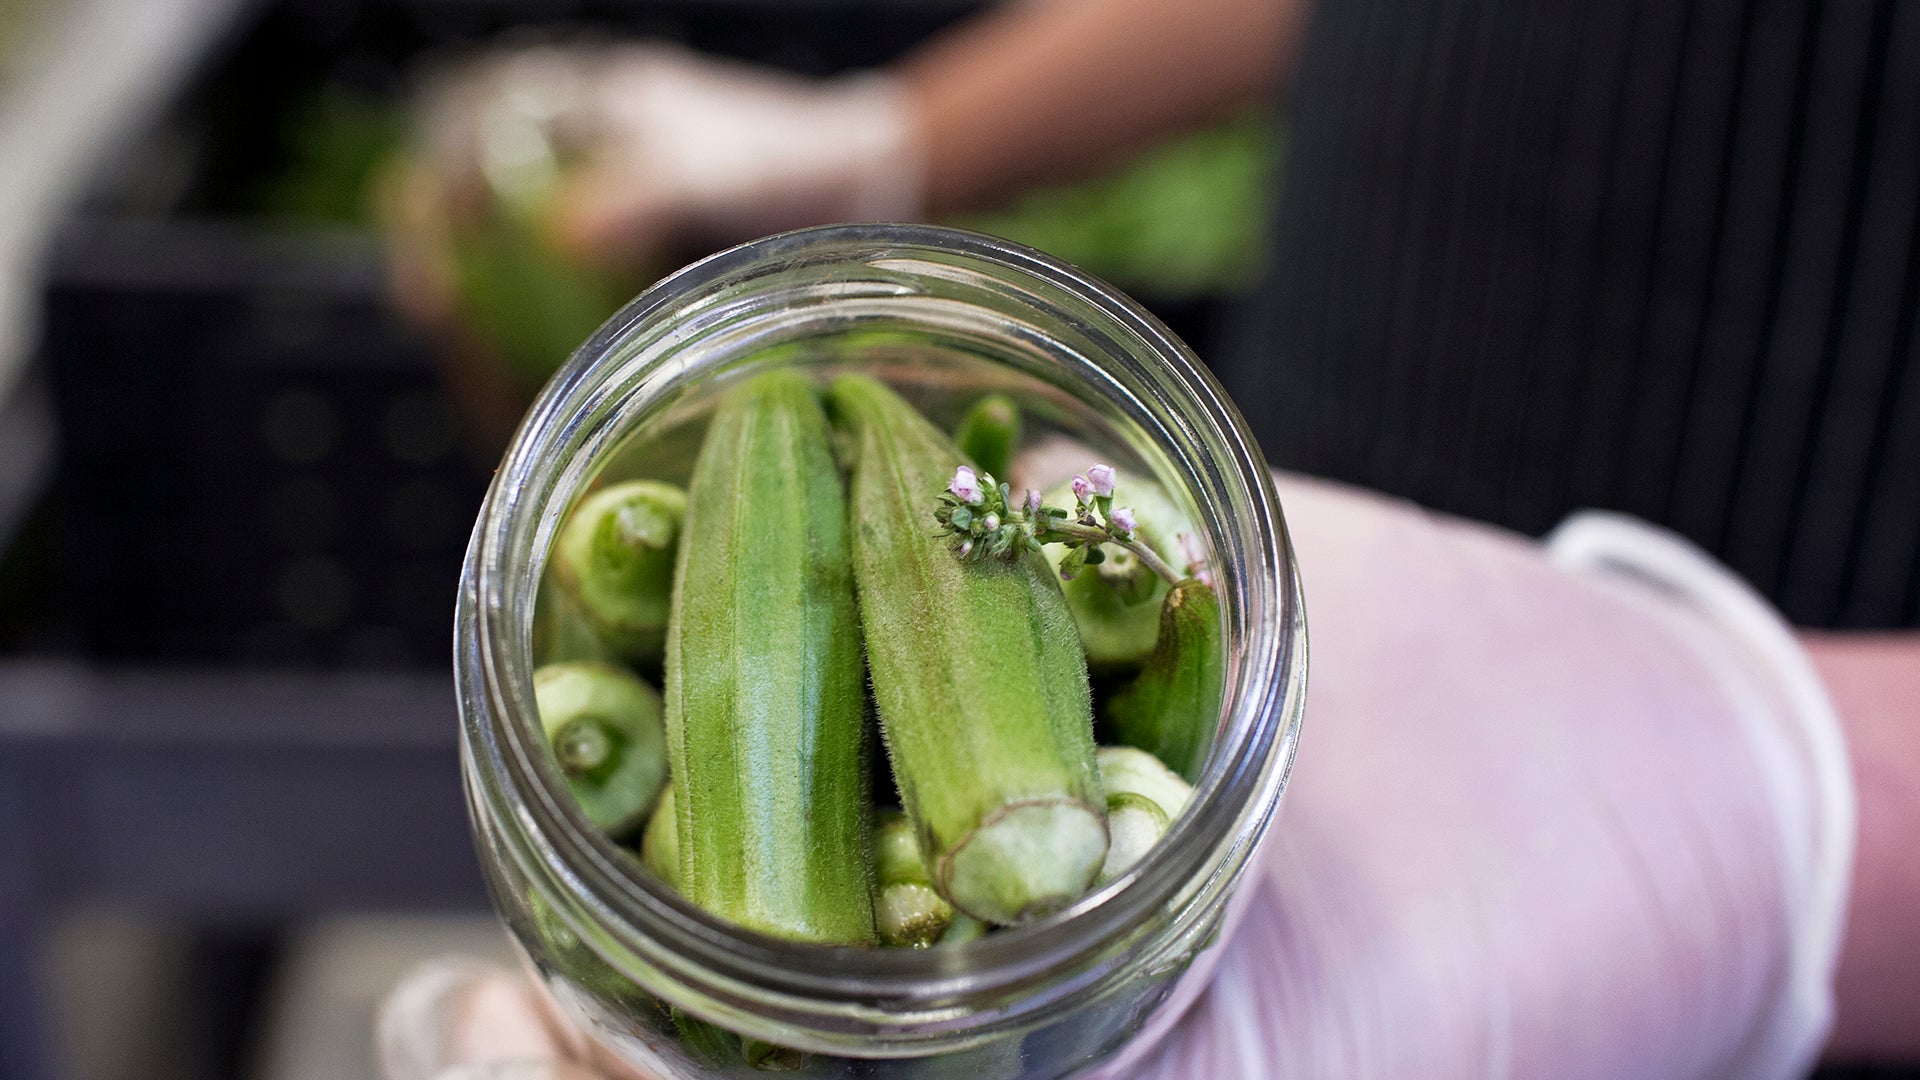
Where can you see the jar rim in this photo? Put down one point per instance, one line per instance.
(634, 916)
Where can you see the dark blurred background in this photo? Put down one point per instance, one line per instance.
(234, 495)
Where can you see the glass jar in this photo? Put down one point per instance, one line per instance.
(672, 991)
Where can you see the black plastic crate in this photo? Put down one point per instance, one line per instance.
(256, 462)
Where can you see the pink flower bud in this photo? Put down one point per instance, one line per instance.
(966, 548)
(991, 522)
(965, 486)
(1082, 489)
(1101, 477)
(1033, 502)
(1122, 519)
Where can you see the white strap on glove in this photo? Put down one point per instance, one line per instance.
(1563, 811)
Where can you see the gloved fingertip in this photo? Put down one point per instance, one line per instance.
(452, 1013)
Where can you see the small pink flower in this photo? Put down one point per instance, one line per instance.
(965, 486)
(1101, 476)
(966, 548)
(991, 522)
(1033, 502)
(1122, 519)
(1082, 488)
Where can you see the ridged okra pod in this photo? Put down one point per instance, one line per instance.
(979, 677)
(1171, 708)
(765, 699)
(613, 563)
(603, 725)
(990, 433)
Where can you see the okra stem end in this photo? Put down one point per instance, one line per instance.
(1029, 859)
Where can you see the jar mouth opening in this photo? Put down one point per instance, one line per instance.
(642, 350)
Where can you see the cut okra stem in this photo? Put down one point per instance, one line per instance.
(765, 699)
(990, 433)
(979, 677)
(1130, 770)
(613, 563)
(603, 726)
(1135, 823)
(905, 906)
(1172, 707)
(1143, 799)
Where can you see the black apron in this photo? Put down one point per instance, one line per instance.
(1657, 256)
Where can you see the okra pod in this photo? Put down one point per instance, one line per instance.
(1135, 823)
(962, 929)
(1172, 707)
(660, 844)
(905, 905)
(1143, 798)
(1132, 771)
(604, 727)
(614, 563)
(1116, 603)
(990, 433)
(979, 678)
(765, 700)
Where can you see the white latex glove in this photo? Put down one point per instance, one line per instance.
(1578, 810)
(671, 143)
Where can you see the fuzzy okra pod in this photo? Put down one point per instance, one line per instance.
(905, 905)
(604, 727)
(979, 677)
(660, 844)
(1116, 603)
(1172, 707)
(765, 700)
(990, 433)
(613, 563)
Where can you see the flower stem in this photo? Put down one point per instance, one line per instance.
(1073, 530)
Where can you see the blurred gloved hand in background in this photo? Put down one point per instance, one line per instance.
(1578, 810)
(648, 145)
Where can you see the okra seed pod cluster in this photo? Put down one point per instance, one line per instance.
(837, 577)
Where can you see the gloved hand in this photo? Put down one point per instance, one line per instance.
(662, 143)
(1572, 810)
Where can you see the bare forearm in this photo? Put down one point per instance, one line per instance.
(1043, 89)
(1875, 684)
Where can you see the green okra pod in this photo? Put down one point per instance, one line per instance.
(604, 727)
(765, 699)
(1171, 708)
(906, 906)
(1116, 603)
(979, 677)
(990, 433)
(613, 563)
(962, 929)
(1129, 770)
(660, 844)
(1135, 823)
